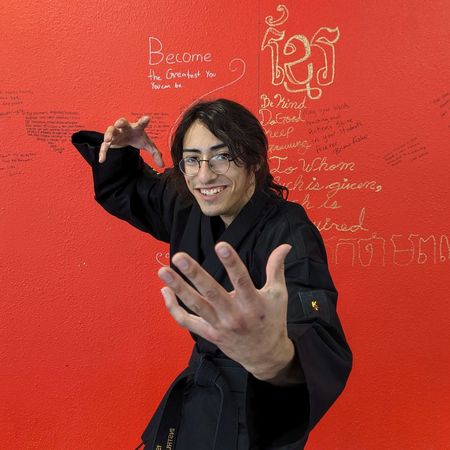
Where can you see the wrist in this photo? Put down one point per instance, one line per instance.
(281, 367)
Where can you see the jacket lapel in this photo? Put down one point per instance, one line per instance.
(192, 235)
(241, 226)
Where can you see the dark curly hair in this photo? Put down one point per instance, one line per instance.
(240, 130)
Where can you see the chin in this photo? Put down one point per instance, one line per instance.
(210, 211)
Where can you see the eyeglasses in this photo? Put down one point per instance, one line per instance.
(219, 164)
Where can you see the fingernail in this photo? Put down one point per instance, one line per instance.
(166, 276)
(182, 264)
(223, 251)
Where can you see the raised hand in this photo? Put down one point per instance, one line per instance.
(249, 325)
(124, 133)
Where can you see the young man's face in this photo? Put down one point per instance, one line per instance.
(217, 195)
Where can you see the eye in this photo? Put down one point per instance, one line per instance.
(190, 161)
(222, 157)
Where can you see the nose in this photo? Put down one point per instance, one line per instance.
(205, 174)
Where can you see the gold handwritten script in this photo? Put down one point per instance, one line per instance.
(397, 249)
(162, 258)
(315, 184)
(294, 59)
(328, 224)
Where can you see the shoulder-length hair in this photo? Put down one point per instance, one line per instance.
(242, 133)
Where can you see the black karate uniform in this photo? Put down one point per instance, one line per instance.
(215, 404)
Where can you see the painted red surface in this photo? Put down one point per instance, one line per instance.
(86, 346)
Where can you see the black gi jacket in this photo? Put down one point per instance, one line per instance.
(215, 404)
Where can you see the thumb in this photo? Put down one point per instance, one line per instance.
(156, 154)
(275, 265)
(148, 145)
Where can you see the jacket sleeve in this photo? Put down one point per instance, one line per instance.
(286, 415)
(128, 188)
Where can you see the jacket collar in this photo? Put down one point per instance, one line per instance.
(234, 234)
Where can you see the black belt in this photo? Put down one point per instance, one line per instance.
(206, 371)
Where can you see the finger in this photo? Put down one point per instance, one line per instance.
(143, 122)
(195, 324)
(107, 140)
(109, 134)
(237, 272)
(188, 295)
(275, 265)
(103, 150)
(122, 123)
(210, 289)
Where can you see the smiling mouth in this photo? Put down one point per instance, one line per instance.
(211, 191)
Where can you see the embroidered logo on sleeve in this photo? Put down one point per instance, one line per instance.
(316, 303)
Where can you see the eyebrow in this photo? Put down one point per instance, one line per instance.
(214, 147)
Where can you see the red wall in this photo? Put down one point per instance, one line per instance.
(355, 98)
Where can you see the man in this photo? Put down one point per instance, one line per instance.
(248, 279)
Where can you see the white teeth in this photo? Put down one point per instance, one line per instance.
(212, 191)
